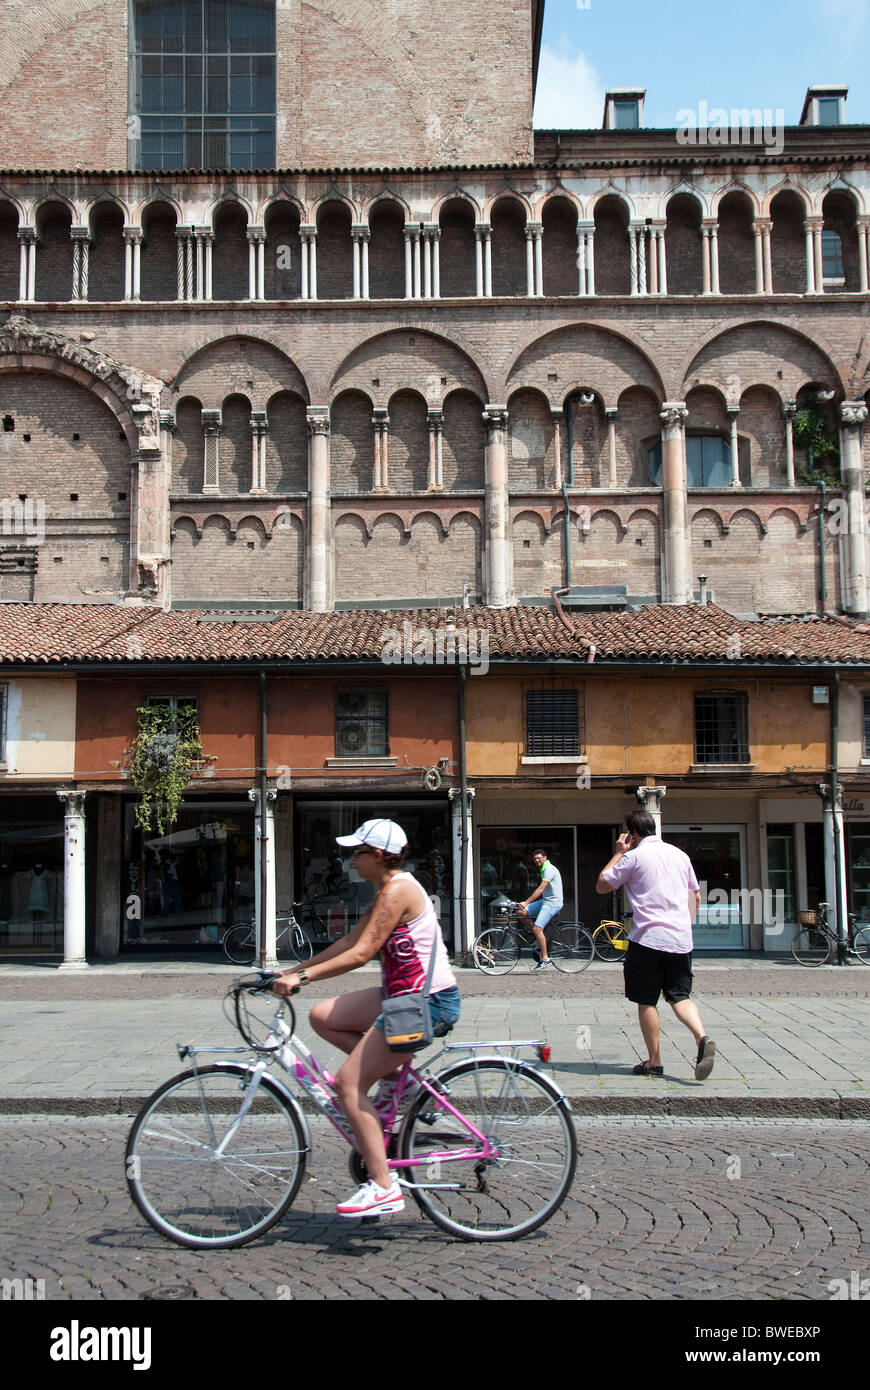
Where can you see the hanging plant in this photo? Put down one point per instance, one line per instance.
(812, 432)
(166, 747)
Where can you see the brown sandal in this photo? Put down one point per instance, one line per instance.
(644, 1069)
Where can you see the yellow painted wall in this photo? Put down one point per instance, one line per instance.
(40, 729)
(644, 726)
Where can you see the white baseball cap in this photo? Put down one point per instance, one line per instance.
(377, 834)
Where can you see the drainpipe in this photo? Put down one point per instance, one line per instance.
(823, 592)
(463, 792)
(840, 904)
(569, 421)
(261, 924)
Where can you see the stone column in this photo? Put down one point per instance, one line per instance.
(705, 259)
(418, 281)
(582, 291)
(487, 262)
(357, 261)
(633, 251)
(463, 890)
(789, 410)
(308, 238)
(530, 264)
(212, 428)
(436, 437)
(675, 550)
(199, 255)
(185, 263)
(27, 240)
(73, 880)
(436, 261)
(653, 261)
(863, 224)
(714, 256)
(259, 430)
(271, 962)
(409, 261)
(318, 508)
(766, 224)
(381, 427)
(427, 264)
(650, 799)
(818, 262)
(757, 232)
(538, 229)
(495, 419)
(303, 263)
(732, 412)
(557, 416)
(662, 257)
(364, 249)
(256, 263)
(81, 251)
(852, 417)
(833, 836)
(611, 412)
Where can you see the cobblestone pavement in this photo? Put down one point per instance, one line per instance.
(660, 1209)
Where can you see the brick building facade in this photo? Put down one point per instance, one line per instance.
(267, 341)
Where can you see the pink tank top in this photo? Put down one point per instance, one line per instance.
(406, 953)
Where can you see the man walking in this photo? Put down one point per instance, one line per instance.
(664, 896)
(542, 906)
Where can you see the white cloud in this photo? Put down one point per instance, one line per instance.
(570, 94)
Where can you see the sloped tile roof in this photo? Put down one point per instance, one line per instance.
(57, 634)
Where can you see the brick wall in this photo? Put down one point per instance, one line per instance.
(159, 253)
(351, 444)
(457, 255)
(287, 444)
(387, 252)
(230, 254)
(188, 447)
(283, 243)
(589, 444)
(334, 253)
(839, 211)
(638, 429)
(464, 442)
(539, 559)
(561, 274)
(10, 256)
(235, 471)
(408, 443)
(509, 275)
(91, 566)
(761, 425)
(683, 245)
(247, 567)
(531, 458)
(788, 245)
(765, 354)
(612, 251)
(106, 259)
(238, 365)
(753, 572)
(736, 245)
(54, 253)
(390, 564)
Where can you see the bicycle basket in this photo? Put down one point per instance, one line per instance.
(619, 943)
(255, 1012)
(808, 919)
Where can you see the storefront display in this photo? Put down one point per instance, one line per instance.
(31, 879)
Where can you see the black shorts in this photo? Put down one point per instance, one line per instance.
(649, 973)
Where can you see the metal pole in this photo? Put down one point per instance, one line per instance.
(840, 907)
(463, 792)
(261, 922)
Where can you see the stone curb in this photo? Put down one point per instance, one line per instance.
(830, 1107)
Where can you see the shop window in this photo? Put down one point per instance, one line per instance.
(361, 724)
(204, 84)
(553, 724)
(781, 867)
(721, 729)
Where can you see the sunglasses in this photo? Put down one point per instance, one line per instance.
(357, 852)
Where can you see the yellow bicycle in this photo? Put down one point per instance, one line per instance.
(610, 940)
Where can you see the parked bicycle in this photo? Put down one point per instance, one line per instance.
(815, 942)
(610, 939)
(217, 1155)
(498, 949)
(292, 938)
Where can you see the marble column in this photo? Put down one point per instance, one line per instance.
(435, 417)
(650, 799)
(732, 411)
(863, 226)
(381, 427)
(271, 960)
(259, 431)
(318, 508)
(610, 413)
(789, 410)
(495, 419)
(853, 414)
(676, 578)
(212, 429)
(73, 880)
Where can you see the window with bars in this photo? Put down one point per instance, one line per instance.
(553, 724)
(203, 84)
(361, 724)
(173, 702)
(721, 729)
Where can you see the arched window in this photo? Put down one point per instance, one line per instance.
(204, 84)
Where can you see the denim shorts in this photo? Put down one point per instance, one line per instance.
(542, 912)
(443, 1008)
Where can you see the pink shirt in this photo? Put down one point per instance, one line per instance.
(658, 878)
(407, 950)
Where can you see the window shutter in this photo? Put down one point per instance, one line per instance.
(552, 723)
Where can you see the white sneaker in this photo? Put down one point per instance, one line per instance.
(371, 1200)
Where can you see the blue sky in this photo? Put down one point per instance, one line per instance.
(762, 53)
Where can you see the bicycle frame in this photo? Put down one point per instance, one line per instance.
(295, 1058)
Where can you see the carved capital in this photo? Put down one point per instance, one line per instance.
(673, 414)
(73, 803)
(789, 410)
(254, 795)
(650, 798)
(853, 413)
(133, 234)
(495, 417)
(317, 421)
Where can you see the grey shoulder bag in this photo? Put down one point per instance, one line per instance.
(407, 1018)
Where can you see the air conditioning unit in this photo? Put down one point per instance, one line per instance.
(350, 740)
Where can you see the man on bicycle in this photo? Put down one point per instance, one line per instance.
(543, 905)
(400, 926)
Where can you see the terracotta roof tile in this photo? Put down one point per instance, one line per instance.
(56, 634)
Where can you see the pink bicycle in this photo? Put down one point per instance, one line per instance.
(216, 1156)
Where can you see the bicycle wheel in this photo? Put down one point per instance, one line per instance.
(529, 1124)
(240, 944)
(297, 941)
(496, 951)
(862, 945)
(810, 946)
(202, 1178)
(604, 937)
(570, 948)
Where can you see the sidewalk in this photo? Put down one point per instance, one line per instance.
(790, 1042)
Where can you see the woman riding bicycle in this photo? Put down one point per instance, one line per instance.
(401, 926)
